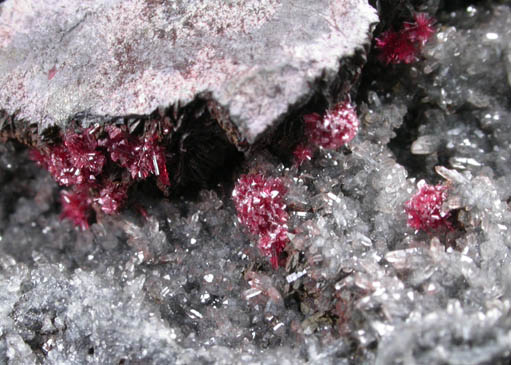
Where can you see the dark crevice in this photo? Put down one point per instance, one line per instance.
(401, 145)
(199, 154)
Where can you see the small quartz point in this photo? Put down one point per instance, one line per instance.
(424, 145)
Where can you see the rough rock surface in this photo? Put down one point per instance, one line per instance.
(109, 58)
(187, 284)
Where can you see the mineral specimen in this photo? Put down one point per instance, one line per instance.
(336, 128)
(302, 153)
(425, 209)
(403, 46)
(260, 204)
(100, 164)
(184, 282)
(76, 207)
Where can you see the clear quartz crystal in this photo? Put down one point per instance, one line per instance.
(425, 144)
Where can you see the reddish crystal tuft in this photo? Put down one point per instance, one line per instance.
(396, 47)
(149, 158)
(421, 29)
(120, 145)
(141, 158)
(76, 208)
(83, 153)
(404, 46)
(302, 153)
(424, 209)
(74, 162)
(112, 197)
(273, 242)
(260, 205)
(336, 128)
(91, 167)
(58, 162)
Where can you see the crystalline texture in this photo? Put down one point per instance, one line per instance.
(82, 151)
(142, 157)
(148, 158)
(120, 145)
(260, 205)
(91, 167)
(182, 284)
(396, 47)
(421, 29)
(302, 154)
(75, 207)
(75, 161)
(404, 46)
(336, 128)
(425, 210)
(111, 197)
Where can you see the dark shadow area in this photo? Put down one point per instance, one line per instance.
(199, 154)
(400, 145)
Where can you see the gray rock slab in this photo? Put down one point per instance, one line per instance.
(111, 58)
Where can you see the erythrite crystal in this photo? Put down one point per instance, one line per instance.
(404, 46)
(302, 153)
(336, 128)
(75, 207)
(140, 157)
(58, 162)
(120, 145)
(421, 30)
(273, 242)
(82, 151)
(424, 209)
(260, 206)
(112, 197)
(91, 167)
(149, 158)
(396, 47)
(74, 162)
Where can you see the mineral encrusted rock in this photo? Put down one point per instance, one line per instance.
(186, 284)
(94, 60)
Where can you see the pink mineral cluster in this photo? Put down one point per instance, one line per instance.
(142, 157)
(99, 165)
(260, 205)
(405, 45)
(334, 129)
(424, 209)
(75, 207)
(337, 127)
(302, 153)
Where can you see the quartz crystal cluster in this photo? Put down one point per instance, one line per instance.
(358, 280)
